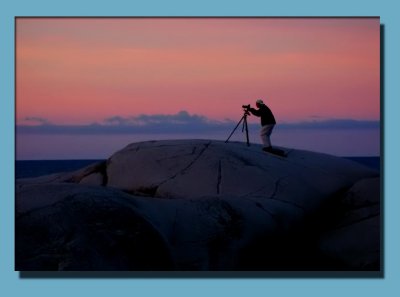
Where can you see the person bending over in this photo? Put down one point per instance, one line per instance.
(267, 123)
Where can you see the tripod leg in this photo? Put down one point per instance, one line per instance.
(235, 129)
(247, 131)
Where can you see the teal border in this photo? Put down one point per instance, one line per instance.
(13, 285)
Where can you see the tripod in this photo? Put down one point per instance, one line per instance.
(245, 126)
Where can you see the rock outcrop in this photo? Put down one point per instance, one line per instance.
(201, 205)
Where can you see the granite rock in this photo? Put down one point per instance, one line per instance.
(195, 205)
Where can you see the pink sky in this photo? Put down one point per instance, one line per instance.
(80, 71)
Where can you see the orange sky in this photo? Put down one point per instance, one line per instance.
(80, 71)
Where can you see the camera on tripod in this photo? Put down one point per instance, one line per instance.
(246, 109)
(246, 113)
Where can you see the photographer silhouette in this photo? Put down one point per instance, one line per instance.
(267, 123)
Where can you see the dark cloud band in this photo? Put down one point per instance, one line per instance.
(181, 122)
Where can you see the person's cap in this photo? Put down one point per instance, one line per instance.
(259, 101)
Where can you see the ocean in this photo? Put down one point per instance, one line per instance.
(34, 168)
(337, 142)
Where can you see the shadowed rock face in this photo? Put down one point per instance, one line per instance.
(86, 229)
(196, 205)
(353, 238)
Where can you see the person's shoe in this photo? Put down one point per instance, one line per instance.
(267, 149)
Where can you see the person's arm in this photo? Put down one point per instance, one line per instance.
(254, 111)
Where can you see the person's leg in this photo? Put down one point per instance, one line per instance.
(269, 132)
(265, 134)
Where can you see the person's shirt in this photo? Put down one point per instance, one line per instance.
(267, 118)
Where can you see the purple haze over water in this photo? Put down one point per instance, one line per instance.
(339, 142)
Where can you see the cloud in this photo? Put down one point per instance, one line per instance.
(181, 118)
(181, 122)
(116, 120)
(38, 120)
(332, 124)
